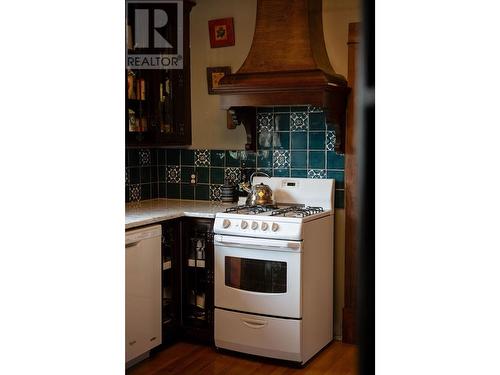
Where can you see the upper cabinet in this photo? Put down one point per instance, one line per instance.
(157, 75)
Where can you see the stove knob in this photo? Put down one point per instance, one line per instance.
(244, 224)
(255, 225)
(275, 227)
(226, 223)
(264, 226)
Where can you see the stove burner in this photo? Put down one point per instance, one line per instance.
(297, 211)
(252, 209)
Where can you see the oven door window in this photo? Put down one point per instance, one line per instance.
(255, 275)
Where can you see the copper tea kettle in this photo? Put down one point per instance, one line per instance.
(258, 195)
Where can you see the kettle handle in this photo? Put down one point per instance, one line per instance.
(258, 172)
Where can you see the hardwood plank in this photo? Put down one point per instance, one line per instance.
(192, 359)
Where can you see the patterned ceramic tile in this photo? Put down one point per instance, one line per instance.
(281, 159)
(316, 173)
(315, 109)
(127, 177)
(202, 158)
(174, 174)
(215, 192)
(330, 140)
(299, 121)
(135, 193)
(265, 122)
(145, 157)
(232, 175)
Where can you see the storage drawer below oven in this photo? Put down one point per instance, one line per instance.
(258, 335)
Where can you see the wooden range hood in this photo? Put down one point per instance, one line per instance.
(287, 65)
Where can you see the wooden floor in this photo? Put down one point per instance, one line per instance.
(190, 359)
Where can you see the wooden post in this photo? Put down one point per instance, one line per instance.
(351, 192)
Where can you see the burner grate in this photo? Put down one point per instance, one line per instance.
(251, 209)
(297, 211)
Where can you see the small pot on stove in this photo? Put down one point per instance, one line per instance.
(228, 193)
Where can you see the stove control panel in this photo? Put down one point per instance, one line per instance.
(268, 228)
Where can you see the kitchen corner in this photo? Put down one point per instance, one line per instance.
(152, 211)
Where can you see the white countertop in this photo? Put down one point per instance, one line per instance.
(155, 210)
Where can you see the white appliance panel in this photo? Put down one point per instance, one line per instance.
(258, 335)
(286, 304)
(142, 291)
(308, 191)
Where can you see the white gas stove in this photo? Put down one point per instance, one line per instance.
(274, 272)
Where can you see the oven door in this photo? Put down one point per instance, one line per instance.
(259, 276)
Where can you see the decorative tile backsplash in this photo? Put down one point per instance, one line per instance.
(291, 142)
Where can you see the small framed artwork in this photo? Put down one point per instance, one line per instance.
(214, 75)
(221, 32)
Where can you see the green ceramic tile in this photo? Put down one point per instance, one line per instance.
(248, 159)
(216, 175)
(299, 173)
(316, 140)
(133, 157)
(299, 109)
(173, 191)
(334, 160)
(298, 159)
(186, 173)
(233, 158)
(264, 159)
(145, 175)
(127, 197)
(202, 174)
(266, 170)
(317, 121)
(316, 160)
(134, 175)
(281, 141)
(339, 198)
(173, 157)
(154, 156)
(281, 172)
(264, 109)
(282, 109)
(153, 171)
(338, 176)
(299, 141)
(282, 122)
(162, 173)
(217, 158)
(187, 157)
(201, 192)
(145, 191)
(162, 190)
(162, 156)
(187, 191)
(154, 190)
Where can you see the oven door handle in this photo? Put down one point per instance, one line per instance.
(256, 243)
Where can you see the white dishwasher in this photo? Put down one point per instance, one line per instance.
(142, 292)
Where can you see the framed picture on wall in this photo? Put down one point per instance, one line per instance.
(221, 32)
(214, 75)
